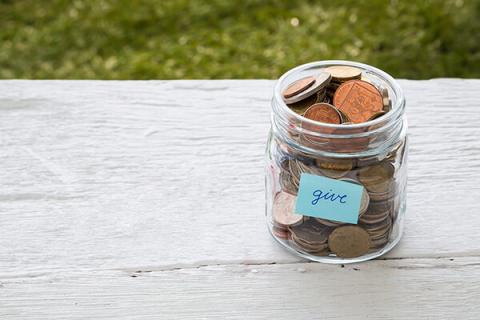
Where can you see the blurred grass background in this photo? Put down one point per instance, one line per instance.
(148, 39)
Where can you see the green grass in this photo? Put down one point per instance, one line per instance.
(148, 39)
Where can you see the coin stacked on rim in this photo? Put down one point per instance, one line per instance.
(337, 95)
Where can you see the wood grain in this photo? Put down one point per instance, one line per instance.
(392, 289)
(103, 177)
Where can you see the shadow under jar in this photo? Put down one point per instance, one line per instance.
(372, 154)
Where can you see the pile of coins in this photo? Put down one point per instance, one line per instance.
(337, 95)
(377, 214)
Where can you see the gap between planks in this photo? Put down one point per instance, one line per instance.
(405, 262)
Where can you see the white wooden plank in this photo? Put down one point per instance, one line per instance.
(101, 175)
(392, 289)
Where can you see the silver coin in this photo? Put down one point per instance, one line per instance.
(321, 81)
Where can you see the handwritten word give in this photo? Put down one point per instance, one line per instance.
(320, 195)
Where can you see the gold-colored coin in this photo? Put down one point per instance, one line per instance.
(349, 241)
(335, 164)
(344, 73)
(377, 178)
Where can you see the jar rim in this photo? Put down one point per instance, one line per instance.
(396, 111)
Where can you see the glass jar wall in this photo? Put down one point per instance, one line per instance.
(372, 154)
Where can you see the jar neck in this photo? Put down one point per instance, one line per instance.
(353, 140)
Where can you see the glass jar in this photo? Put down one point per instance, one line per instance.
(372, 154)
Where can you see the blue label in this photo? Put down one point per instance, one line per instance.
(329, 199)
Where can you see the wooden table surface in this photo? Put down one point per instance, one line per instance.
(145, 200)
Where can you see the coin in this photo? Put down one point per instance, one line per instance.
(321, 95)
(379, 230)
(298, 86)
(376, 207)
(381, 196)
(310, 235)
(283, 210)
(301, 106)
(309, 247)
(349, 241)
(377, 212)
(287, 184)
(329, 223)
(359, 100)
(334, 174)
(321, 81)
(377, 178)
(365, 200)
(281, 233)
(380, 235)
(344, 73)
(323, 112)
(387, 104)
(335, 164)
(345, 118)
(377, 115)
(305, 168)
(370, 218)
(376, 244)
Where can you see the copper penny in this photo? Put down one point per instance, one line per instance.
(323, 112)
(281, 233)
(358, 99)
(349, 241)
(283, 210)
(321, 81)
(298, 86)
